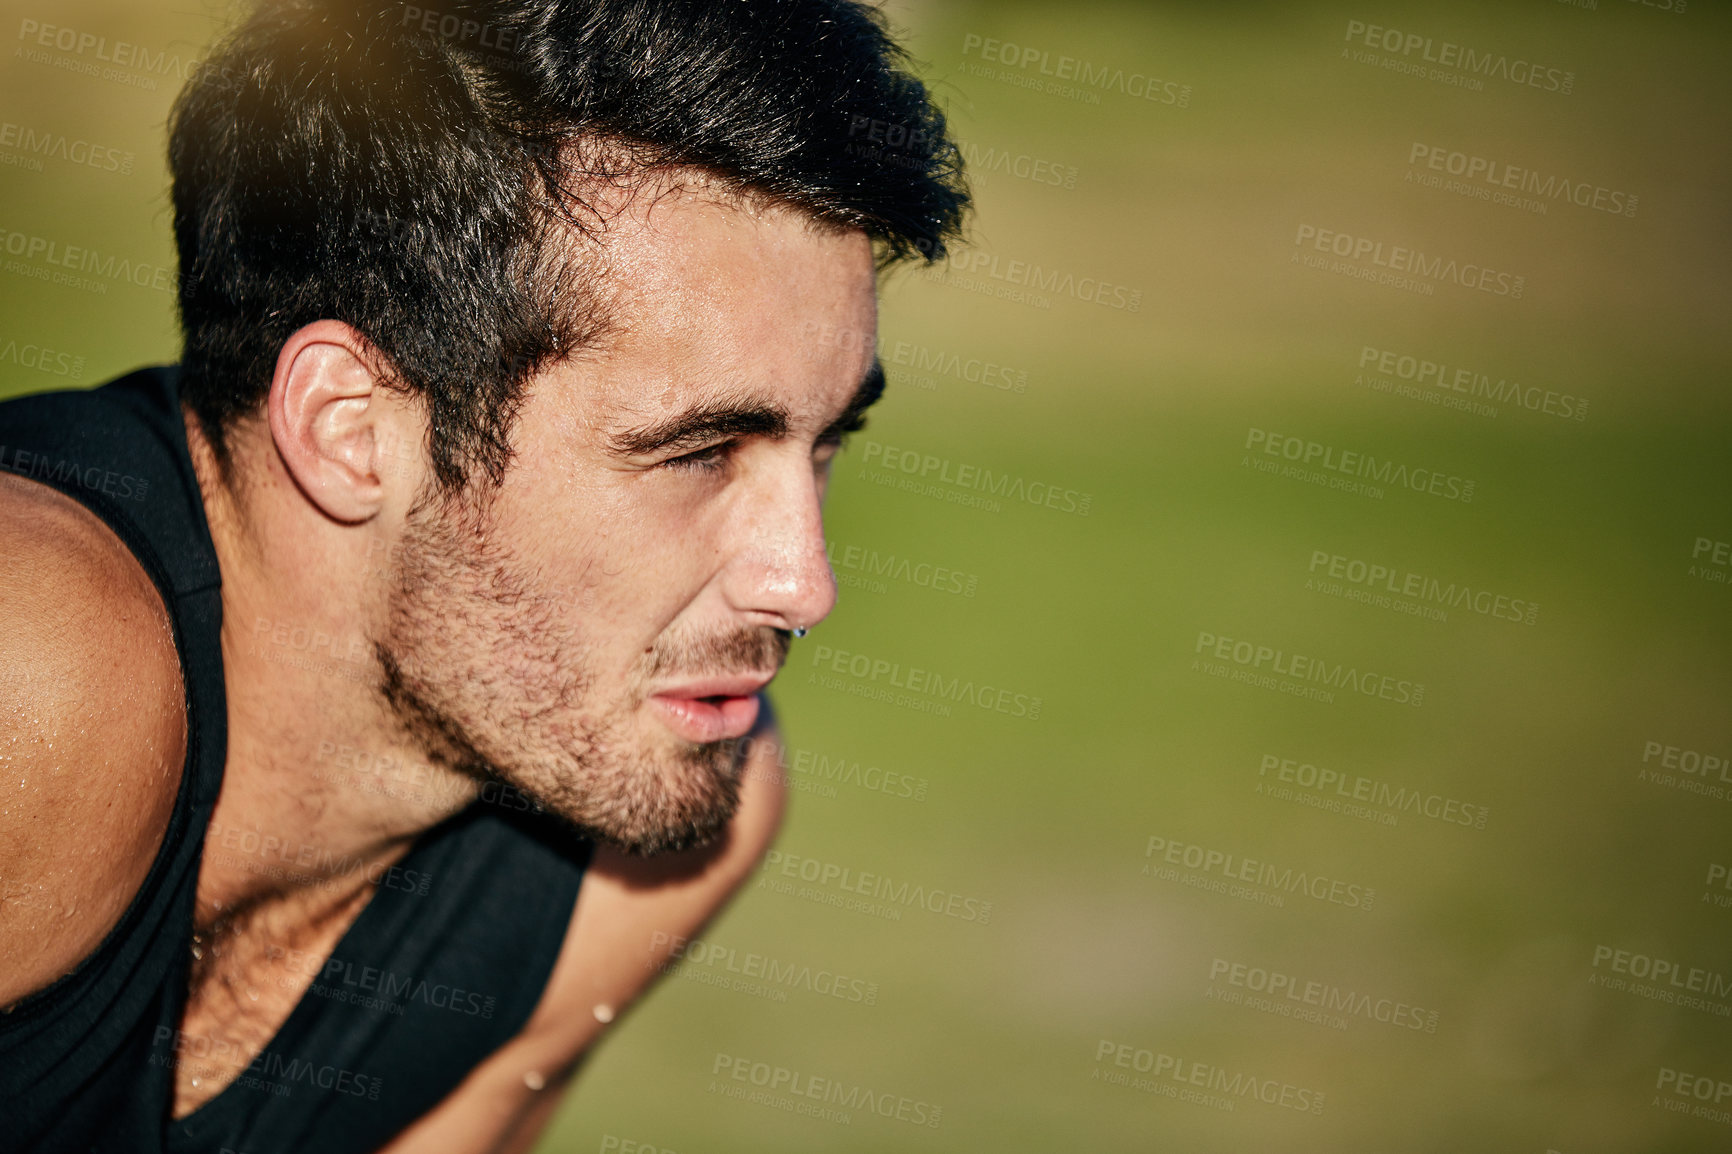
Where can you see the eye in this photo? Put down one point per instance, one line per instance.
(835, 439)
(710, 458)
(824, 452)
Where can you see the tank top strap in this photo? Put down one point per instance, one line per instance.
(444, 965)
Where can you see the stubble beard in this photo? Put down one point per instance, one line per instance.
(481, 671)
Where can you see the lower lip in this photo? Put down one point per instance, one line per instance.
(705, 719)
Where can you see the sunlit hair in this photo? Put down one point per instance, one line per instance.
(421, 174)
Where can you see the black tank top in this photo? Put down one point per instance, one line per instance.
(442, 966)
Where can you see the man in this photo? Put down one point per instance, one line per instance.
(481, 508)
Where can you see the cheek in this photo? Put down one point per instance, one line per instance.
(659, 560)
(622, 553)
(620, 569)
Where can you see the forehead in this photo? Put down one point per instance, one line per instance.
(712, 295)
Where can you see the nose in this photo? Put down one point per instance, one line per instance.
(780, 575)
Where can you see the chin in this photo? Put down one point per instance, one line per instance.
(676, 797)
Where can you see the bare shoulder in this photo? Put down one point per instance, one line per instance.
(92, 732)
(631, 914)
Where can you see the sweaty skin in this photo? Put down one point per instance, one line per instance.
(590, 633)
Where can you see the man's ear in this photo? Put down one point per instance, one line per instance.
(335, 421)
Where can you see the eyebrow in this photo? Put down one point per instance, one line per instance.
(853, 418)
(695, 427)
(741, 417)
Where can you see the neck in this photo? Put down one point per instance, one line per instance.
(322, 788)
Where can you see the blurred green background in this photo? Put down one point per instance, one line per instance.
(1269, 121)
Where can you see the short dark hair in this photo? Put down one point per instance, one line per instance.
(410, 171)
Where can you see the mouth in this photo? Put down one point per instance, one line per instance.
(711, 709)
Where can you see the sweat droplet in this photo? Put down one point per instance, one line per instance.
(604, 1013)
(534, 1080)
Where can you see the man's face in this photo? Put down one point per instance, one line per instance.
(594, 631)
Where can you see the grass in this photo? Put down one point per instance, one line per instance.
(1148, 413)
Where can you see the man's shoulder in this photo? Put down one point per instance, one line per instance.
(92, 732)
